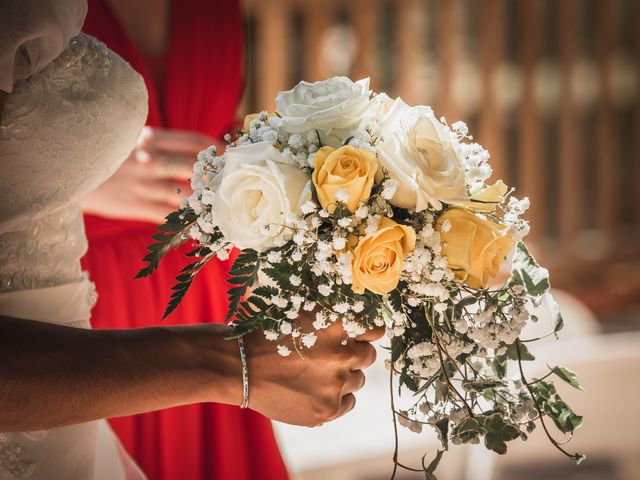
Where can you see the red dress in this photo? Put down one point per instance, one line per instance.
(202, 83)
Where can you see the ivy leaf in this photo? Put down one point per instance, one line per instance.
(579, 458)
(479, 386)
(442, 391)
(442, 430)
(556, 316)
(568, 376)
(525, 354)
(562, 415)
(468, 430)
(528, 273)
(499, 433)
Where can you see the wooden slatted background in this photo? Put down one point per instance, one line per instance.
(550, 87)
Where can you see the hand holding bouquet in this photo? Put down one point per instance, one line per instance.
(367, 212)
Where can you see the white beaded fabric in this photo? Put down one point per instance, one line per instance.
(64, 131)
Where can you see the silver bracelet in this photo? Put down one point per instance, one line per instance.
(245, 375)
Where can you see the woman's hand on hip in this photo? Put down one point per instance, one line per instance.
(153, 179)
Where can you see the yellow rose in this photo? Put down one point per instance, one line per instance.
(346, 168)
(247, 121)
(488, 199)
(251, 117)
(475, 247)
(379, 257)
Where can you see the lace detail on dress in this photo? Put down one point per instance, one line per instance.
(65, 130)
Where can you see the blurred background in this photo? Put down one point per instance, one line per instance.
(552, 89)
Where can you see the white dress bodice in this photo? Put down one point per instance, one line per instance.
(64, 130)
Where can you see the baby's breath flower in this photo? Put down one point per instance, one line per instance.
(324, 290)
(389, 187)
(284, 350)
(308, 207)
(271, 335)
(274, 256)
(309, 339)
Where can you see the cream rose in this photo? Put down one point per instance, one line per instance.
(378, 258)
(475, 247)
(255, 190)
(333, 104)
(347, 168)
(417, 150)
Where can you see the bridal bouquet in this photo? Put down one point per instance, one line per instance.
(366, 211)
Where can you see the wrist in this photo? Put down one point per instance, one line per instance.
(218, 365)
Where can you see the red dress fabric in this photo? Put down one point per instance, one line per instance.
(203, 80)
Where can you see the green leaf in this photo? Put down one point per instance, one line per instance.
(556, 316)
(562, 415)
(469, 424)
(568, 376)
(499, 433)
(395, 300)
(528, 273)
(579, 458)
(481, 385)
(408, 382)
(468, 430)
(169, 235)
(442, 430)
(525, 354)
(398, 348)
(442, 391)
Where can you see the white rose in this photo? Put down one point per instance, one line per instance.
(257, 190)
(333, 104)
(418, 151)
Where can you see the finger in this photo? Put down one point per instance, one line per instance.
(371, 335)
(174, 141)
(347, 404)
(355, 381)
(168, 192)
(171, 166)
(363, 355)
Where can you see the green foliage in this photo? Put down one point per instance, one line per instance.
(242, 275)
(568, 376)
(171, 234)
(548, 401)
(527, 273)
(521, 348)
(185, 278)
(498, 433)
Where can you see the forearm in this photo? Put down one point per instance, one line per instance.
(53, 375)
(3, 95)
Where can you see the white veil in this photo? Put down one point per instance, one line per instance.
(33, 33)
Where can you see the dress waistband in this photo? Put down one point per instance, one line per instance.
(69, 304)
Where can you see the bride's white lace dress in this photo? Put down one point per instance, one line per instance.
(64, 131)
